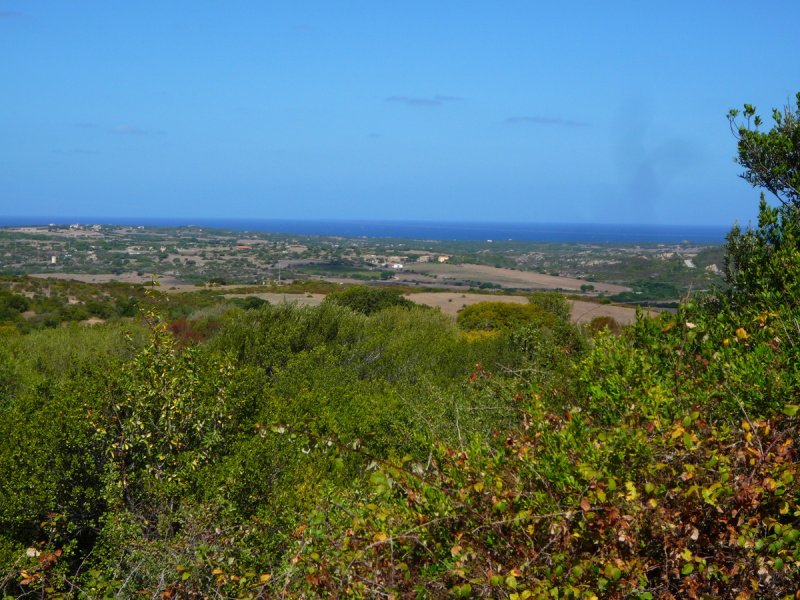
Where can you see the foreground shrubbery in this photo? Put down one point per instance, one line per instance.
(315, 452)
(673, 474)
(127, 456)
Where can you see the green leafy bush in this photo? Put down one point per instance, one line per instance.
(502, 315)
(368, 300)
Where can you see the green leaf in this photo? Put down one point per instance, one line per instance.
(791, 410)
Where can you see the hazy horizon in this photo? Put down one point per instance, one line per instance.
(98, 219)
(576, 113)
(419, 230)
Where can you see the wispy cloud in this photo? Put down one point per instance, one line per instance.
(438, 100)
(122, 129)
(9, 14)
(542, 120)
(78, 151)
(126, 129)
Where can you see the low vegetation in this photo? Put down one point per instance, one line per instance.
(368, 448)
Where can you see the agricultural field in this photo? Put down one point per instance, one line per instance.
(466, 273)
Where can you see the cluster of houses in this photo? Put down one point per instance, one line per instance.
(399, 262)
(78, 227)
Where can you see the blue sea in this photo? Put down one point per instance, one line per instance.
(423, 230)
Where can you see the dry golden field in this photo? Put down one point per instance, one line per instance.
(510, 278)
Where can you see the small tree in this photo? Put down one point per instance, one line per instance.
(765, 262)
(771, 158)
(368, 300)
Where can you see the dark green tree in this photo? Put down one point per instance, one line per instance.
(368, 300)
(766, 260)
(771, 159)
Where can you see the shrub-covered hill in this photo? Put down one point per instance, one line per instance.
(340, 451)
(124, 446)
(323, 452)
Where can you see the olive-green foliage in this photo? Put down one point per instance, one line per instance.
(381, 377)
(552, 302)
(536, 341)
(49, 454)
(368, 300)
(250, 302)
(598, 324)
(766, 260)
(406, 344)
(649, 290)
(268, 337)
(502, 315)
(168, 413)
(771, 159)
(127, 452)
(51, 302)
(12, 305)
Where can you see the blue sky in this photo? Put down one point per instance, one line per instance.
(571, 111)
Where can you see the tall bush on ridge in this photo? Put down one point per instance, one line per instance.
(765, 261)
(771, 159)
(368, 300)
(498, 316)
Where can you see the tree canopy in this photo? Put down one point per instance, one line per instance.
(368, 300)
(766, 260)
(771, 159)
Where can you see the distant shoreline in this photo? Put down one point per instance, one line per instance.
(419, 230)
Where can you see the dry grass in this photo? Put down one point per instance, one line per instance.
(509, 278)
(581, 312)
(452, 302)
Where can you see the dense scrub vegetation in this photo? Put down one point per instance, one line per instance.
(367, 448)
(27, 303)
(117, 441)
(368, 300)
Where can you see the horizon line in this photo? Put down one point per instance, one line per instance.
(38, 220)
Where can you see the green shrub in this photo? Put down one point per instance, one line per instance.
(368, 300)
(502, 315)
(598, 324)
